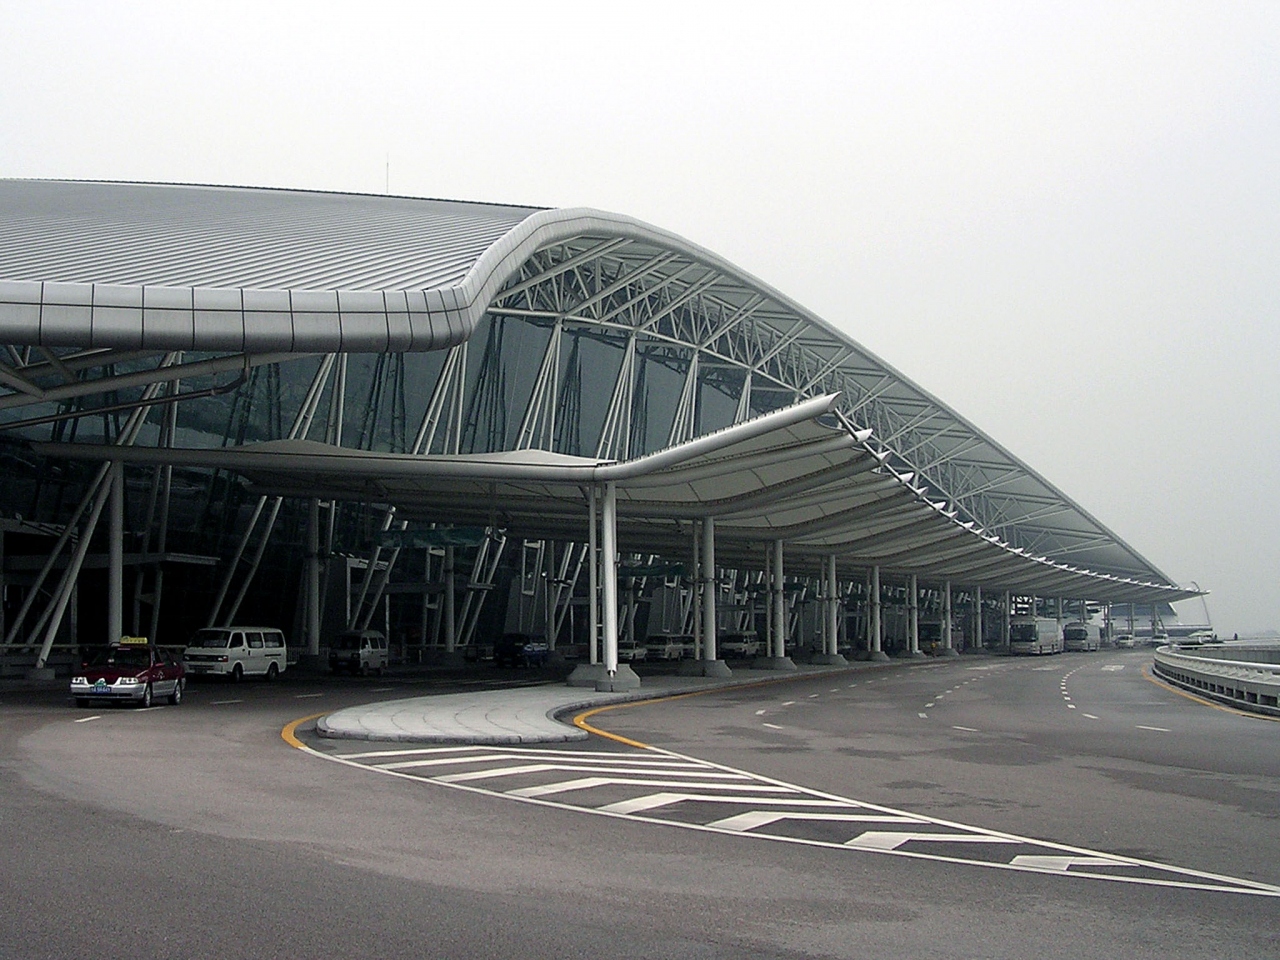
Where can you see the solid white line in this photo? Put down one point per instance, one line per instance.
(890, 840)
(1199, 880)
(760, 818)
(655, 800)
(587, 783)
(97, 716)
(490, 773)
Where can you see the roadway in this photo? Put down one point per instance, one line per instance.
(197, 831)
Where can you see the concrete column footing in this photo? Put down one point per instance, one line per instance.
(829, 659)
(773, 663)
(587, 675)
(704, 668)
(878, 656)
(623, 679)
(948, 652)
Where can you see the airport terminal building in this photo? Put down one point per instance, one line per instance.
(452, 421)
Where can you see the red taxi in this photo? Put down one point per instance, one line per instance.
(132, 669)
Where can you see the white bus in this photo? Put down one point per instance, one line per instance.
(1035, 635)
(1081, 636)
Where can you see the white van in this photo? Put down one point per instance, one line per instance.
(360, 651)
(1034, 635)
(237, 652)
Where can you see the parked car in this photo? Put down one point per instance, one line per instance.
(132, 669)
(360, 652)
(1125, 641)
(237, 652)
(520, 650)
(630, 650)
(739, 645)
(664, 647)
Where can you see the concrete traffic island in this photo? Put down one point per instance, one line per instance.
(514, 714)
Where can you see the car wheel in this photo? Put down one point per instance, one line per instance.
(272, 672)
(237, 673)
(146, 696)
(175, 698)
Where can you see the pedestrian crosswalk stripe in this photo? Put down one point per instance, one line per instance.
(669, 789)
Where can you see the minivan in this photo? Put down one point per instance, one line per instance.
(359, 651)
(236, 652)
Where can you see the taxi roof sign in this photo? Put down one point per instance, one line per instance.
(133, 641)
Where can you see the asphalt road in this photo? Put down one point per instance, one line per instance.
(197, 831)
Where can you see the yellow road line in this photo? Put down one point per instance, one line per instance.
(288, 734)
(580, 721)
(1146, 672)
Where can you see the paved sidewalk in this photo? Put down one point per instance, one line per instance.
(518, 714)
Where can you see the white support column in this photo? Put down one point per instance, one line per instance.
(913, 617)
(313, 578)
(708, 665)
(617, 676)
(833, 606)
(115, 555)
(830, 633)
(1006, 616)
(977, 618)
(777, 659)
(602, 578)
(877, 619)
(450, 617)
(593, 578)
(947, 649)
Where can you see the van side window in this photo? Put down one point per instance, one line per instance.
(275, 640)
(255, 640)
(237, 640)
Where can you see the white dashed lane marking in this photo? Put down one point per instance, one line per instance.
(669, 789)
(1156, 729)
(96, 716)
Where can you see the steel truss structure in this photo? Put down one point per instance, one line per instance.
(212, 318)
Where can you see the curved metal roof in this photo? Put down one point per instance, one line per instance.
(152, 267)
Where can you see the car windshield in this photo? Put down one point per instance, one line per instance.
(120, 657)
(348, 643)
(210, 638)
(1022, 632)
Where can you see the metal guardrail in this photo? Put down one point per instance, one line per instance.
(1241, 683)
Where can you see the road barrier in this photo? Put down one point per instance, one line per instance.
(1235, 675)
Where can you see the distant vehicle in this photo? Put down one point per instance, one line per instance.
(477, 652)
(360, 652)
(631, 650)
(1081, 637)
(520, 650)
(1034, 635)
(1125, 641)
(664, 647)
(237, 652)
(132, 669)
(739, 645)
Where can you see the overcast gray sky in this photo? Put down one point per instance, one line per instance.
(1061, 218)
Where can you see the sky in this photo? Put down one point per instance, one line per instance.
(1063, 219)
